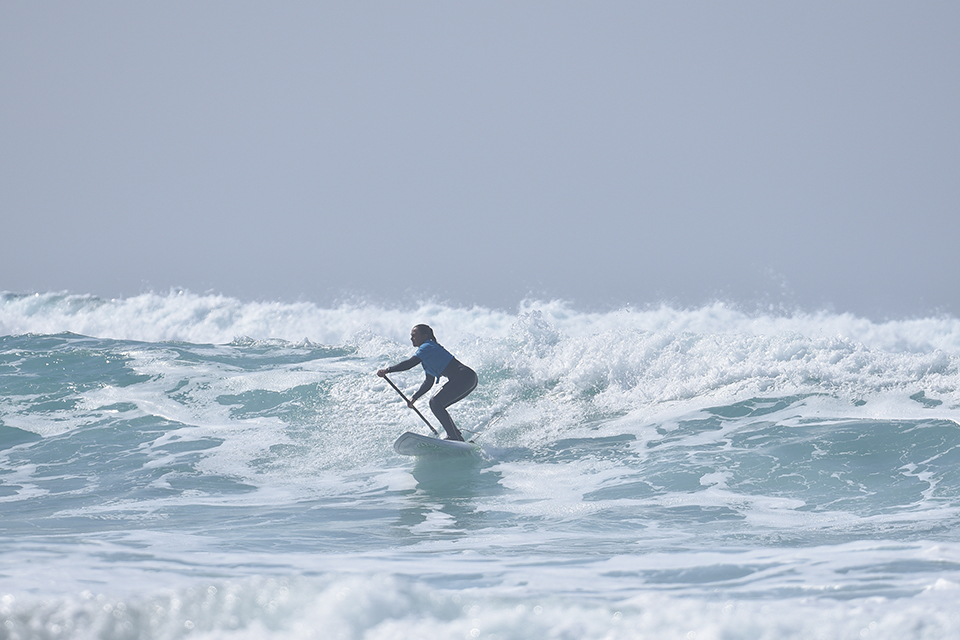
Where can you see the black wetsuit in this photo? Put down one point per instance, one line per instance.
(461, 380)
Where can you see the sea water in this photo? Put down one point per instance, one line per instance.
(194, 466)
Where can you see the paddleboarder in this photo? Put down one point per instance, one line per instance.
(437, 362)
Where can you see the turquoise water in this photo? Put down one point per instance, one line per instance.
(178, 466)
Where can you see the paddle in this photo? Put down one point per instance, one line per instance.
(397, 389)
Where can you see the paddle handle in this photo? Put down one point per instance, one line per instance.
(397, 389)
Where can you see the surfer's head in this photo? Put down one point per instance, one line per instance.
(421, 333)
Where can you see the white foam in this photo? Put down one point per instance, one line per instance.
(385, 608)
(184, 316)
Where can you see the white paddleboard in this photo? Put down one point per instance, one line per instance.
(414, 444)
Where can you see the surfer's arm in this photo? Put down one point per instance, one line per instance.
(427, 384)
(401, 366)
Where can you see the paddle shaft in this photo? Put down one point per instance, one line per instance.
(425, 421)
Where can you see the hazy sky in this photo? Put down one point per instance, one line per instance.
(798, 153)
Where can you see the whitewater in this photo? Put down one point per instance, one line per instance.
(181, 465)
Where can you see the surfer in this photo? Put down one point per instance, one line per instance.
(437, 361)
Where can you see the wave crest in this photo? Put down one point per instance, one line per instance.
(182, 316)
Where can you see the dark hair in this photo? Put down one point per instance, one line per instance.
(425, 330)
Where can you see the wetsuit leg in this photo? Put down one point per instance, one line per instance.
(457, 388)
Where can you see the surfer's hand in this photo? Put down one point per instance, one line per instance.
(381, 372)
(410, 403)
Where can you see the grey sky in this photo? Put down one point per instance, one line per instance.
(605, 153)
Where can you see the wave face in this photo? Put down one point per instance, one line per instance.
(183, 465)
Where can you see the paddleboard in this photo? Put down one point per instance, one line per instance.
(414, 444)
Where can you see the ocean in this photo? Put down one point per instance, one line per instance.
(180, 465)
